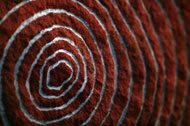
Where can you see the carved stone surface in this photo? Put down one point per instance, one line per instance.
(95, 62)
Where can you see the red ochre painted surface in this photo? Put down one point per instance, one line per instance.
(130, 62)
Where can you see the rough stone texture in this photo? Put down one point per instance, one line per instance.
(130, 61)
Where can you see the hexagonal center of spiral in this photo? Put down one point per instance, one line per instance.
(59, 74)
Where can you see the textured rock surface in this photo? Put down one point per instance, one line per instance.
(87, 62)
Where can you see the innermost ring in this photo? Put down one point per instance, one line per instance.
(59, 74)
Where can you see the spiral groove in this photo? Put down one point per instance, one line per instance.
(95, 62)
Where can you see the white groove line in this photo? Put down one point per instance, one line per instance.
(131, 80)
(174, 45)
(48, 84)
(14, 9)
(175, 53)
(41, 51)
(115, 61)
(4, 119)
(22, 26)
(41, 74)
(50, 57)
(12, 38)
(5, 55)
(112, 52)
(7, 16)
(114, 57)
(41, 71)
(33, 64)
(153, 55)
(163, 52)
(188, 59)
(122, 117)
(56, 108)
(104, 85)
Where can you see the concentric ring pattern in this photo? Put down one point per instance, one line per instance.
(95, 62)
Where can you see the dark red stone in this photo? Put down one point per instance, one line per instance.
(143, 49)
